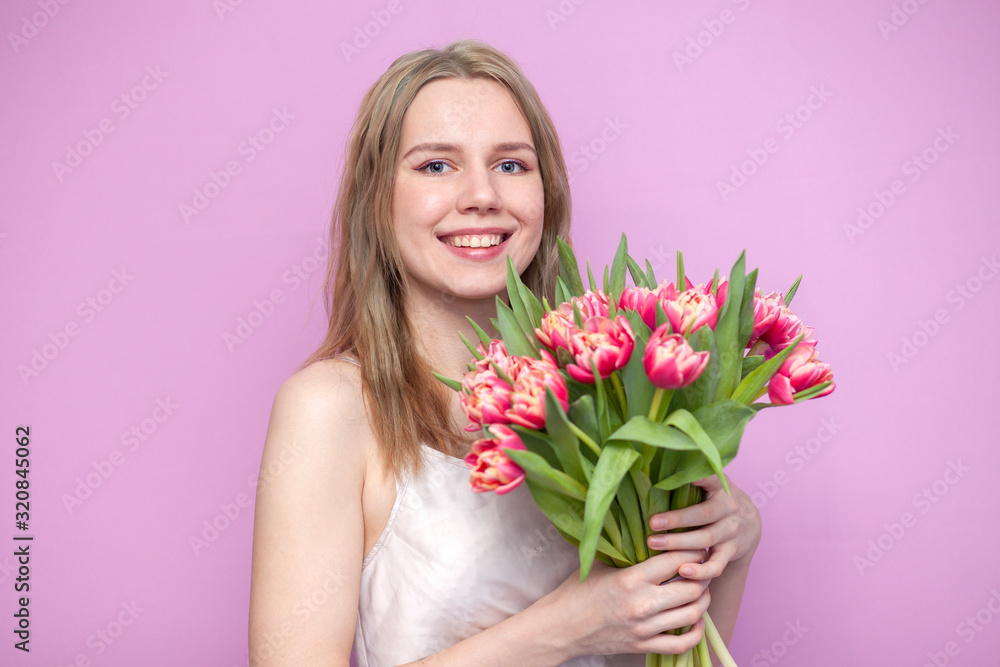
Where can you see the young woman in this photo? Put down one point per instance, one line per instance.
(366, 532)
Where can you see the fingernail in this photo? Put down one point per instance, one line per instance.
(657, 541)
(658, 523)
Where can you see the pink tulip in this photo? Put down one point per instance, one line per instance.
(607, 341)
(485, 399)
(495, 352)
(766, 309)
(784, 329)
(558, 325)
(641, 300)
(492, 468)
(670, 362)
(556, 329)
(800, 370)
(690, 309)
(669, 292)
(527, 400)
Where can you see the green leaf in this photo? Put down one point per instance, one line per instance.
(562, 292)
(583, 413)
(650, 276)
(606, 284)
(727, 332)
(638, 277)
(516, 302)
(566, 515)
(638, 389)
(513, 336)
(539, 443)
(569, 271)
(792, 290)
(577, 316)
(535, 309)
(590, 277)
(628, 543)
(616, 459)
(681, 283)
(701, 391)
(539, 468)
(686, 422)
(746, 310)
(751, 363)
(617, 281)
(640, 481)
(472, 348)
(644, 430)
(453, 384)
(749, 389)
(564, 441)
(628, 500)
(723, 422)
(483, 336)
(603, 418)
(806, 394)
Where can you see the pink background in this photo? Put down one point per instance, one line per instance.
(662, 133)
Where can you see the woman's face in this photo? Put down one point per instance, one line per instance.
(467, 191)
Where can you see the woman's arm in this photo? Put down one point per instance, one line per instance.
(308, 537)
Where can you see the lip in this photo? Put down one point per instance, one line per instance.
(477, 253)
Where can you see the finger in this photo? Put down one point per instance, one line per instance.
(713, 567)
(700, 538)
(687, 616)
(664, 566)
(703, 513)
(712, 484)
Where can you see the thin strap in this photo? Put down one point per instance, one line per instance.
(350, 359)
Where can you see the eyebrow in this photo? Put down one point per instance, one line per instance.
(435, 147)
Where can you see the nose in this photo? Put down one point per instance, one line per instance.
(478, 193)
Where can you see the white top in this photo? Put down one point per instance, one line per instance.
(451, 563)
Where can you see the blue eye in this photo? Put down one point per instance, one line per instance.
(516, 163)
(427, 167)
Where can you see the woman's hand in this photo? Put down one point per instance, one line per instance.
(627, 610)
(729, 529)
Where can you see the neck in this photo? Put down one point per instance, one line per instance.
(437, 323)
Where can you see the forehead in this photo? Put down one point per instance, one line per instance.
(462, 110)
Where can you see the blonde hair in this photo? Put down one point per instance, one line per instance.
(365, 280)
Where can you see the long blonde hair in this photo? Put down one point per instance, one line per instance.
(365, 280)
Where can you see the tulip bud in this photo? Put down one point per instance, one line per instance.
(670, 362)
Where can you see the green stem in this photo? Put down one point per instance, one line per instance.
(622, 403)
(703, 655)
(715, 641)
(655, 407)
(594, 447)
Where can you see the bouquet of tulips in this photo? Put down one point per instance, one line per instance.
(609, 405)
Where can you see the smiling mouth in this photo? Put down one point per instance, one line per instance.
(474, 240)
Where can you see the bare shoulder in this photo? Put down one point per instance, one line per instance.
(308, 520)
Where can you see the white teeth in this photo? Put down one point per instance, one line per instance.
(470, 241)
